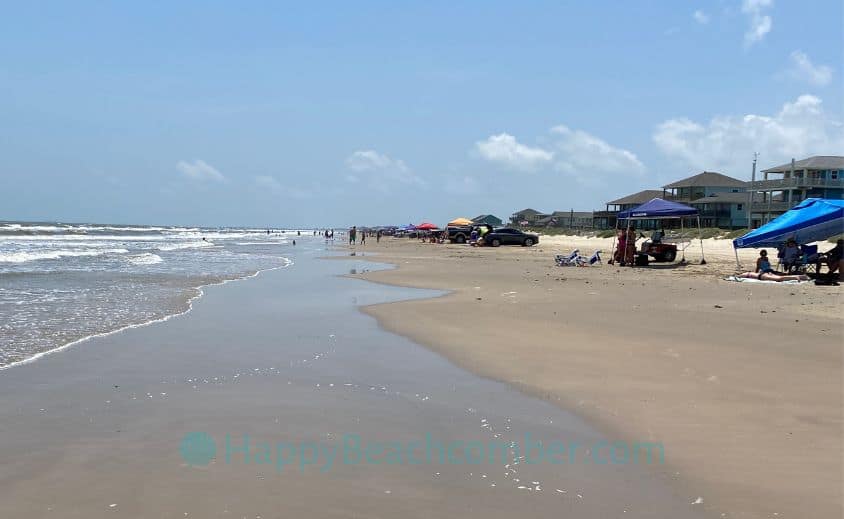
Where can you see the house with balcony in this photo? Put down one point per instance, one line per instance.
(784, 186)
(527, 217)
(724, 210)
(703, 185)
(567, 219)
(724, 199)
(489, 219)
(607, 219)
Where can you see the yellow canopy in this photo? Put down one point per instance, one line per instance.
(460, 221)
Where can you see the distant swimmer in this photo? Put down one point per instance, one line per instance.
(294, 242)
(298, 233)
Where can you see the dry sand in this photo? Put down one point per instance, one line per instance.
(742, 382)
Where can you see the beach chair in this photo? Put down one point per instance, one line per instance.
(567, 261)
(808, 259)
(583, 261)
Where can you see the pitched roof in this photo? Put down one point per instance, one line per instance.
(707, 179)
(528, 211)
(638, 198)
(483, 216)
(725, 198)
(816, 162)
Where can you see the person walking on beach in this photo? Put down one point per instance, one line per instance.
(378, 236)
(363, 238)
(352, 233)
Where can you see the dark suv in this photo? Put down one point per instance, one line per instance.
(507, 236)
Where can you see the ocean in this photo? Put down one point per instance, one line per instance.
(62, 283)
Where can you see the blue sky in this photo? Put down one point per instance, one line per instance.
(303, 114)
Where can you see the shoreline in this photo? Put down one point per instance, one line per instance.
(188, 307)
(87, 429)
(448, 337)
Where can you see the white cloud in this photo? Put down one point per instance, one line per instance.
(271, 184)
(369, 160)
(580, 156)
(701, 17)
(581, 153)
(760, 23)
(380, 171)
(726, 144)
(199, 170)
(803, 69)
(505, 150)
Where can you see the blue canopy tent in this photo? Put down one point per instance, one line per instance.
(659, 209)
(811, 220)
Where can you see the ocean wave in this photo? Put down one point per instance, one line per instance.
(146, 258)
(188, 245)
(188, 306)
(23, 257)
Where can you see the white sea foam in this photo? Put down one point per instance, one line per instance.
(286, 262)
(187, 245)
(146, 258)
(24, 256)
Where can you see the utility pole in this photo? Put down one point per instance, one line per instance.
(750, 195)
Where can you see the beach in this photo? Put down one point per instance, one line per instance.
(233, 408)
(742, 382)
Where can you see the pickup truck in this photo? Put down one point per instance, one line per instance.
(461, 233)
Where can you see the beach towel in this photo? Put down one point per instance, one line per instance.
(751, 280)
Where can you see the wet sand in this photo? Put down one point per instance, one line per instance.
(741, 382)
(96, 430)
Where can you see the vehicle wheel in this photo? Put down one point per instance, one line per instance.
(528, 242)
(669, 255)
(460, 238)
(496, 242)
(659, 257)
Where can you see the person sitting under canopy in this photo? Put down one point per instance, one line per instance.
(833, 258)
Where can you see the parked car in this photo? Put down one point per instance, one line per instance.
(508, 236)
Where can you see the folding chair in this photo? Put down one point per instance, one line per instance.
(809, 259)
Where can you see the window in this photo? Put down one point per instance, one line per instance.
(740, 207)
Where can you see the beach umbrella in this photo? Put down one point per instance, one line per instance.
(409, 227)
(426, 226)
(460, 221)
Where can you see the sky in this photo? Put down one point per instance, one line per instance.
(373, 113)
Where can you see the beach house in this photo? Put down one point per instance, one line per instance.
(721, 200)
(607, 219)
(526, 217)
(784, 186)
(568, 219)
(703, 185)
(489, 219)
